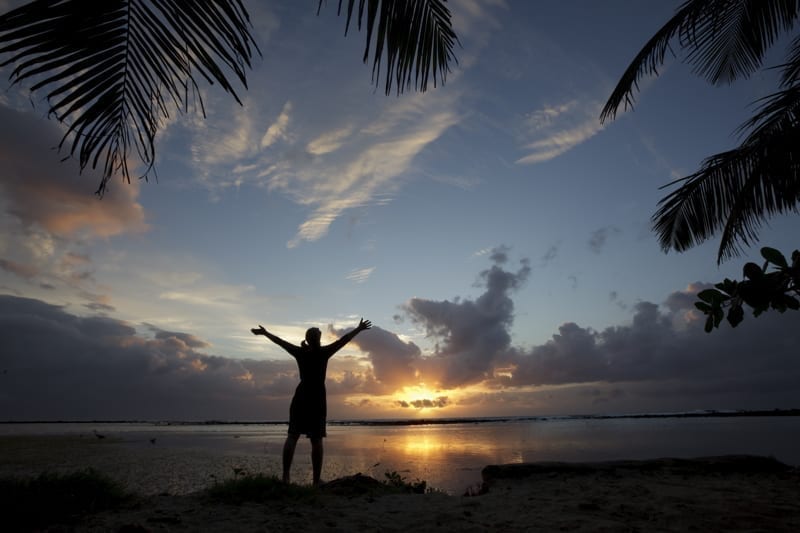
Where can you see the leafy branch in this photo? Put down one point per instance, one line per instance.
(760, 289)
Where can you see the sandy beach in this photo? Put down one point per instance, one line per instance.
(730, 493)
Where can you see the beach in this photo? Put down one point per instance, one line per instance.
(730, 493)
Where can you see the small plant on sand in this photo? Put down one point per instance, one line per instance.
(258, 488)
(48, 499)
(393, 479)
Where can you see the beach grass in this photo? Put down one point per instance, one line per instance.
(258, 488)
(57, 498)
(246, 487)
(417, 486)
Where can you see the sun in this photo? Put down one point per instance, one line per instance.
(421, 398)
(418, 392)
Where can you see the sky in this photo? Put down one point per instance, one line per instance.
(496, 234)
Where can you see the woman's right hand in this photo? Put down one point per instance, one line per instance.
(259, 330)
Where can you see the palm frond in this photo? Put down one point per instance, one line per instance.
(114, 69)
(791, 68)
(733, 192)
(648, 60)
(416, 37)
(725, 40)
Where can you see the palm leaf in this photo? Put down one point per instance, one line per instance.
(113, 70)
(416, 37)
(725, 40)
(733, 192)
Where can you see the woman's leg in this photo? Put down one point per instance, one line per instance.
(316, 458)
(288, 455)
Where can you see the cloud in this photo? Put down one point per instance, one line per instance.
(662, 357)
(556, 129)
(394, 361)
(40, 190)
(425, 403)
(22, 270)
(550, 255)
(666, 350)
(61, 366)
(277, 130)
(360, 275)
(329, 142)
(367, 171)
(472, 335)
(599, 238)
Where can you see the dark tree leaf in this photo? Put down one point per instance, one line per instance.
(413, 38)
(735, 315)
(113, 69)
(774, 256)
(752, 271)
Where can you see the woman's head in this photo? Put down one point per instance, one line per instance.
(313, 336)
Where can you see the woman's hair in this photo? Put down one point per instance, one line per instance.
(313, 336)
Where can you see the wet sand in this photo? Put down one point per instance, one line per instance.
(732, 493)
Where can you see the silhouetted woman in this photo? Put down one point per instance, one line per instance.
(309, 409)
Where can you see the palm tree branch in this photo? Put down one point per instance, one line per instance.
(733, 191)
(728, 40)
(647, 61)
(415, 36)
(791, 69)
(114, 65)
(725, 39)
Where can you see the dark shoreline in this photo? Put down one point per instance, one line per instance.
(434, 421)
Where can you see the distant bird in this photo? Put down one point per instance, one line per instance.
(152, 441)
(98, 435)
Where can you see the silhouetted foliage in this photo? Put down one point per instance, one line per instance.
(258, 488)
(417, 37)
(115, 70)
(32, 504)
(760, 289)
(734, 191)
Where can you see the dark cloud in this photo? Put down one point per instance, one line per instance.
(25, 271)
(599, 238)
(426, 403)
(394, 361)
(662, 355)
(550, 255)
(41, 190)
(669, 346)
(185, 338)
(471, 335)
(499, 255)
(99, 307)
(680, 300)
(62, 366)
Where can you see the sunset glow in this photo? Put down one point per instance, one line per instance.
(495, 233)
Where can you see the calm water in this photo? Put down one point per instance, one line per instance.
(447, 456)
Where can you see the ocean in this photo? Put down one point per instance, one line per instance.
(448, 456)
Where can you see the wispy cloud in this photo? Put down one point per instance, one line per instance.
(23, 270)
(599, 238)
(278, 129)
(47, 220)
(360, 275)
(366, 170)
(329, 142)
(555, 129)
